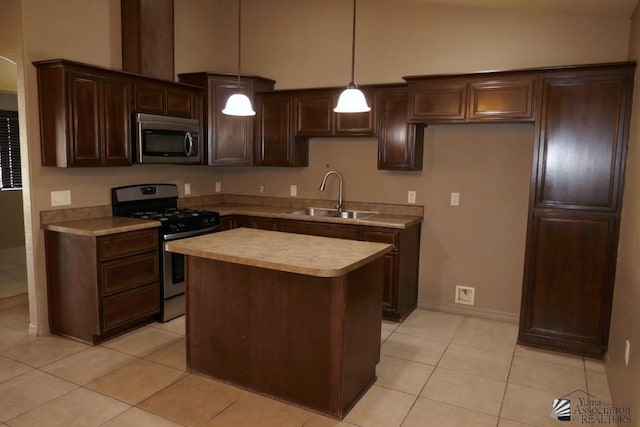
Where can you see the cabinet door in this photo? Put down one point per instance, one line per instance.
(357, 124)
(580, 147)
(231, 137)
(227, 223)
(84, 119)
(390, 285)
(116, 109)
(502, 99)
(314, 114)
(148, 98)
(339, 231)
(399, 143)
(180, 103)
(568, 289)
(262, 223)
(276, 145)
(437, 100)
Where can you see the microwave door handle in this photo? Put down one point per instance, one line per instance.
(188, 143)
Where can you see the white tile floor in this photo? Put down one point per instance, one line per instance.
(436, 369)
(13, 272)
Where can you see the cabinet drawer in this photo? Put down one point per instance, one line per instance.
(128, 273)
(125, 307)
(121, 244)
(381, 236)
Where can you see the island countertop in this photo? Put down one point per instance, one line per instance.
(294, 253)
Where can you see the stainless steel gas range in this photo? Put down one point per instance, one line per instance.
(160, 202)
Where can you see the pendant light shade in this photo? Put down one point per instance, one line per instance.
(352, 99)
(239, 104)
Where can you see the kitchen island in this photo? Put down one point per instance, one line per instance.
(291, 316)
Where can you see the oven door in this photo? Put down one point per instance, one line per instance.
(173, 270)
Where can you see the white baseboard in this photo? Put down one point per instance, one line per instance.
(472, 311)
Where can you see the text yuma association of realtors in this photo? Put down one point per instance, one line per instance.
(595, 412)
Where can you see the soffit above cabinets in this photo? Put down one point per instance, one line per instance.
(610, 8)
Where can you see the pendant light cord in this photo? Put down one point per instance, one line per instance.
(240, 37)
(353, 46)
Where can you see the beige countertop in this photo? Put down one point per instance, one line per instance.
(294, 253)
(101, 226)
(375, 220)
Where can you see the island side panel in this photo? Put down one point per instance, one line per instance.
(362, 324)
(284, 334)
(217, 327)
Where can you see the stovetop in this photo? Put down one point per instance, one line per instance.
(159, 202)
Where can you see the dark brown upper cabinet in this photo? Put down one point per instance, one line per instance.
(86, 111)
(230, 139)
(582, 141)
(502, 99)
(437, 100)
(472, 98)
(399, 143)
(167, 98)
(314, 113)
(276, 143)
(85, 115)
(315, 116)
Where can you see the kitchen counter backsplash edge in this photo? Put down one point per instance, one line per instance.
(73, 214)
(299, 203)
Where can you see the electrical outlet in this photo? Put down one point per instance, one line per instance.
(218, 187)
(465, 295)
(61, 198)
(411, 196)
(627, 350)
(293, 190)
(261, 188)
(455, 199)
(187, 189)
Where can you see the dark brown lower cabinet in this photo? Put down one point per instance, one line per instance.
(569, 282)
(400, 286)
(101, 286)
(324, 229)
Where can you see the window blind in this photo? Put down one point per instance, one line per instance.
(10, 174)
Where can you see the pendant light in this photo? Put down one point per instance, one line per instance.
(352, 99)
(239, 104)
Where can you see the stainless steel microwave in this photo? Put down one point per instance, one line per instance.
(165, 139)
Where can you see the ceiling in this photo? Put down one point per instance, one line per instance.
(610, 8)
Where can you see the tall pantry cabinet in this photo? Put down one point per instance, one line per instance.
(574, 208)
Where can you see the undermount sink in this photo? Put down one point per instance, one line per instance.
(333, 213)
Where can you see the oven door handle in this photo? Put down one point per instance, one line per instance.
(184, 234)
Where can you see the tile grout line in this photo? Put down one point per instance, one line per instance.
(431, 374)
(506, 386)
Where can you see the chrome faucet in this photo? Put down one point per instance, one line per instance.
(324, 181)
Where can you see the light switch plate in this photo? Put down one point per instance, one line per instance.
(187, 189)
(218, 187)
(61, 198)
(411, 196)
(455, 199)
(293, 190)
